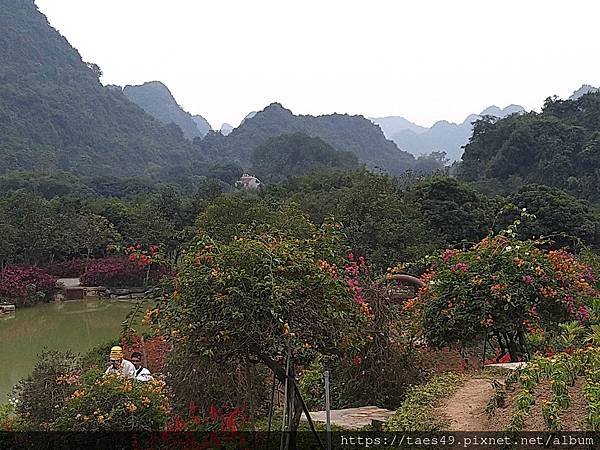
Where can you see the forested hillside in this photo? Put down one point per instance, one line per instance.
(343, 132)
(55, 114)
(297, 154)
(559, 147)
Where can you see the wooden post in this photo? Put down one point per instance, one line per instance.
(284, 440)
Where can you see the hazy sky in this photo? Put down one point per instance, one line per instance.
(423, 59)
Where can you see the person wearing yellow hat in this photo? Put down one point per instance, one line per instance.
(118, 365)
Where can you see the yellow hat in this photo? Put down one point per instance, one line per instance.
(116, 353)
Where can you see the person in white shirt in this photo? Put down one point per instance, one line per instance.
(119, 365)
(141, 373)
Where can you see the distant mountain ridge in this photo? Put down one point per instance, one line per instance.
(443, 136)
(156, 99)
(584, 89)
(343, 132)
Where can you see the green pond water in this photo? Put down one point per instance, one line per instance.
(77, 326)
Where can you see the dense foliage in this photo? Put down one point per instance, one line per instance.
(558, 147)
(343, 132)
(297, 154)
(41, 395)
(381, 222)
(262, 295)
(554, 214)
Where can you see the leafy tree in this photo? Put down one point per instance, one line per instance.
(564, 218)
(263, 298)
(235, 214)
(380, 222)
(558, 147)
(455, 211)
(95, 233)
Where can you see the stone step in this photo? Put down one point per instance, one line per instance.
(353, 418)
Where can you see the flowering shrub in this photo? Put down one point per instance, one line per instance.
(112, 402)
(502, 288)
(120, 272)
(141, 256)
(263, 297)
(25, 285)
(264, 293)
(73, 268)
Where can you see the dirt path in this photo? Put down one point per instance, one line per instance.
(465, 410)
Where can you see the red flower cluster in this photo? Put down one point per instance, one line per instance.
(217, 420)
(140, 256)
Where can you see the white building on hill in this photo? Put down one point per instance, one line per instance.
(248, 182)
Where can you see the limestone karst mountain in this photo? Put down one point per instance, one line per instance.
(56, 115)
(156, 99)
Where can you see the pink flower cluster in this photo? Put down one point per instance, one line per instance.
(460, 267)
(120, 272)
(448, 255)
(583, 315)
(26, 283)
(352, 271)
(73, 268)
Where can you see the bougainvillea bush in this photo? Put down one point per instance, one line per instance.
(111, 402)
(502, 288)
(264, 297)
(121, 272)
(26, 285)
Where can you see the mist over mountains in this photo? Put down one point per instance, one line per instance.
(443, 136)
(55, 115)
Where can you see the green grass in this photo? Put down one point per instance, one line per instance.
(417, 410)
